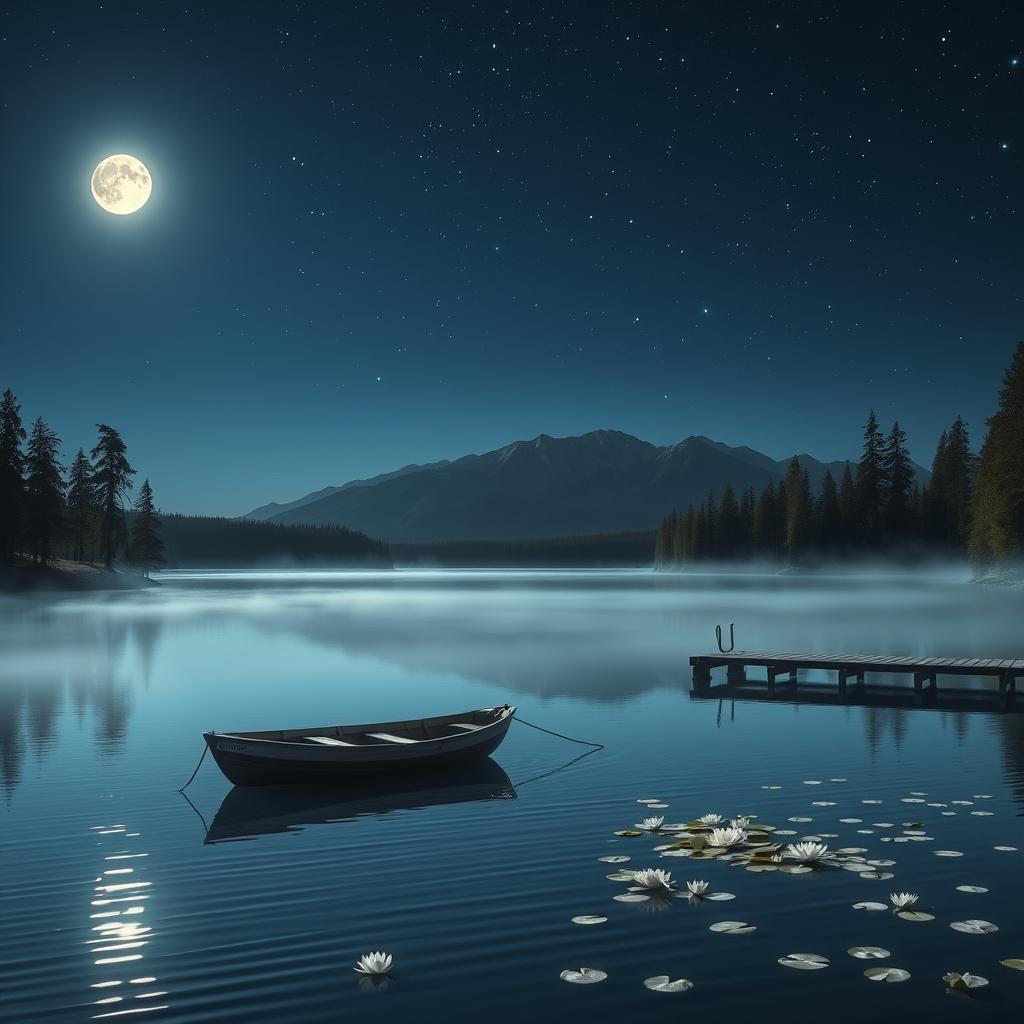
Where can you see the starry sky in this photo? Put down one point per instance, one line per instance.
(384, 233)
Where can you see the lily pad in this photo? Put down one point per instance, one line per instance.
(915, 915)
(1014, 963)
(629, 832)
(971, 888)
(1006, 849)
(804, 961)
(584, 976)
(812, 782)
(982, 814)
(589, 919)
(621, 876)
(868, 952)
(732, 928)
(851, 821)
(947, 853)
(891, 974)
(718, 897)
(869, 905)
(795, 869)
(662, 983)
(615, 858)
(974, 926)
(631, 897)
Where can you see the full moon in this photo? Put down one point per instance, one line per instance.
(121, 184)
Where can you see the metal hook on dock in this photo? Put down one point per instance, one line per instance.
(732, 638)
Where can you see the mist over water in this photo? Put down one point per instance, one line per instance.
(472, 884)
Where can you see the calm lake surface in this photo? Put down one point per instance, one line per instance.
(121, 901)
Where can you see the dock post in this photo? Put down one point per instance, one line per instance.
(735, 673)
(1007, 690)
(844, 674)
(701, 674)
(772, 671)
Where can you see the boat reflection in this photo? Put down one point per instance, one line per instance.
(251, 811)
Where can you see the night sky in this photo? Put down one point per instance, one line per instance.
(384, 233)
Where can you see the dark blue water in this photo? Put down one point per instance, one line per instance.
(121, 901)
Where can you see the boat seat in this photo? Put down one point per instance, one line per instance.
(328, 741)
(465, 725)
(391, 738)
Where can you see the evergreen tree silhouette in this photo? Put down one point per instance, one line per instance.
(830, 526)
(898, 477)
(44, 492)
(81, 504)
(997, 508)
(145, 549)
(12, 484)
(111, 475)
(870, 480)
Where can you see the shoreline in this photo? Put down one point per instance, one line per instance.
(63, 576)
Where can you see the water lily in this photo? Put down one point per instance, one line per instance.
(374, 963)
(740, 823)
(961, 982)
(725, 837)
(651, 824)
(806, 851)
(697, 888)
(653, 878)
(711, 819)
(903, 900)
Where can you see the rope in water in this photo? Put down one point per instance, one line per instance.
(561, 736)
(196, 772)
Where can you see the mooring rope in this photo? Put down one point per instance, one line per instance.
(196, 772)
(561, 736)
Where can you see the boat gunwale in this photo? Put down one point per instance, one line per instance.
(508, 712)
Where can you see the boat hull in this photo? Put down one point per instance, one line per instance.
(254, 762)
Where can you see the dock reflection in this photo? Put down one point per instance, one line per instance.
(248, 812)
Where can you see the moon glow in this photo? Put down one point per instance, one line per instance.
(121, 184)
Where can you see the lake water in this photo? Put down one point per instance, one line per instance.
(121, 899)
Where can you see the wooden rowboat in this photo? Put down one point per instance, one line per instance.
(329, 753)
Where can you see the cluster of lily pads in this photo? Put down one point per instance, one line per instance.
(744, 841)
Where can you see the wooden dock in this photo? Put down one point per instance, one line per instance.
(782, 670)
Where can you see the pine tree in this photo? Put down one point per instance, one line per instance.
(997, 508)
(146, 549)
(947, 499)
(44, 492)
(898, 476)
(111, 475)
(12, 484)
(81, 504)
(870, 481)
(687, 528)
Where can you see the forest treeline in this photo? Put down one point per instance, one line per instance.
(971, 504)
(212, 542)
(77, 512)
(81, 513)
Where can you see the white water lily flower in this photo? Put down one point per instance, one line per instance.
(651, 824)
(959, 982)
(740, 823)
(697, 888)
(726, 837)
(806, 851)
(374, 963)
(653, 878)
(711, 819)
(903, 900)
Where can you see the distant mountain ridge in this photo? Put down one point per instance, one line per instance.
(605, 481)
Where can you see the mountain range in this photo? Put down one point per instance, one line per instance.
(605, 481)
